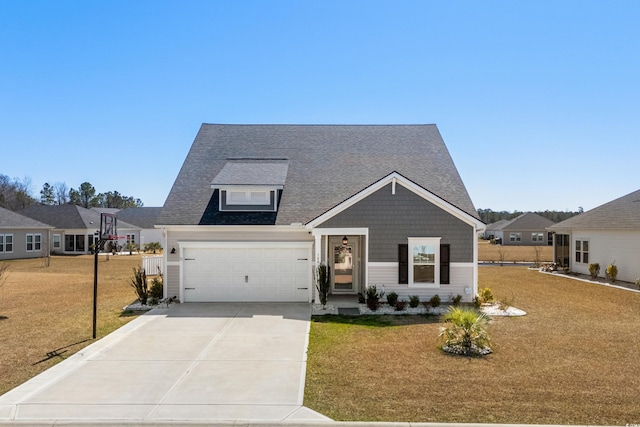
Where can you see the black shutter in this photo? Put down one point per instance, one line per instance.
(403, 263)
(444, 263)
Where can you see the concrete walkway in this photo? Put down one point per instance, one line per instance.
(190, 363)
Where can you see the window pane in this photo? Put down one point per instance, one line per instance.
(68, 242)
(578, 246)
(424, 273)
(79, 242)
(578, 257)
(585, 246)
(424, 254)
(585, 257)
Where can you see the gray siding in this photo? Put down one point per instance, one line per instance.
(20, 244)
(391, 219)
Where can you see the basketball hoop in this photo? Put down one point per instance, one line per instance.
(108, 226)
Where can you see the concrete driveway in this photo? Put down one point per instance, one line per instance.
(191, 362)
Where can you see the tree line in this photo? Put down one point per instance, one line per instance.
(15, 194)
(489, 216)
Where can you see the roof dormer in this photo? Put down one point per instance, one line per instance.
(250, 185)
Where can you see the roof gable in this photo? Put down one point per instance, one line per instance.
(327, 164)
(396, 179)
(621, 213)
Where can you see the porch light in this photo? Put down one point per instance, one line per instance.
(345, 240)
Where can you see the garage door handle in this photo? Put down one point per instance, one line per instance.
(302, 288)
(187, 289)
(189, 259)
(303, 259)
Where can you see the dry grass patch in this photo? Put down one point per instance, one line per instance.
(572, 360)
(43, 309)
(489, 252)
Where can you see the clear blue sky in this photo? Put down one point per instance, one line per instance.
(537, 101)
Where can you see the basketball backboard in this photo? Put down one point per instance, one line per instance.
(108, 226)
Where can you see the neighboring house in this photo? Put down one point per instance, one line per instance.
(145, 218)
(75, 227)
(527, 229)
(256, 208)
(22, 237)
(494, 230)
(606, 234)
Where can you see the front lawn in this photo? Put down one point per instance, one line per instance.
(46, 312)
(574, 359)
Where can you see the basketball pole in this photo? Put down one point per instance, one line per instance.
(95, 286)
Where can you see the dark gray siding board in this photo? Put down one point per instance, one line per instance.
(391, 219)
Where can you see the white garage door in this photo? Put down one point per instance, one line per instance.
(267, 274)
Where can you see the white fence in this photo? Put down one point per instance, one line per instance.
(153, 264)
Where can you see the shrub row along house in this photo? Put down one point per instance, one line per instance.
(256, 208)
(607, 234)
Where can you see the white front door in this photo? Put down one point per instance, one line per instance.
(344, 265)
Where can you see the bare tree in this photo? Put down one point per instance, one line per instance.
(61, 193)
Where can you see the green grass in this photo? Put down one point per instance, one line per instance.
(572, 360)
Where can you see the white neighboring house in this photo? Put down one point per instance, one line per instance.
(144, 219)
(75, 227)
(606, 234)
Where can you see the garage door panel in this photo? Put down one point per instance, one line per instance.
(247, 274)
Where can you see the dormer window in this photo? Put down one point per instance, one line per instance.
(250, 185)
(248, 197)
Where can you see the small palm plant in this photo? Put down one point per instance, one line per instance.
(466, 332)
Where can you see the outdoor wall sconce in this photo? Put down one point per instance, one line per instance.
(345, 240)
(173, 250)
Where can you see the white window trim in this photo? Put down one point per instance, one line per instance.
(4, 243)
(432, 241)
(537, 237)
(582, 251)
(58, 244)
(36, 242)
(515, 237)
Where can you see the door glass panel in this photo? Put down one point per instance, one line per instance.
(343, 267)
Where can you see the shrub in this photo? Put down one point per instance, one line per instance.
(392, 298)
(156, 291)
(455, 301)
(373, 297)
(435, 301)
(612, 272)
(139, 283)
(594, 270)
(152, 246)
(465, 332)
(400, 305)
(323, 283)
(486, 296)
(476, 302)
(414, 300)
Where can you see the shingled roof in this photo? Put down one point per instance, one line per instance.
(326, 164)
(67, 216)
(525, 221)
(13, 220)
(143, 217)
(621, 213)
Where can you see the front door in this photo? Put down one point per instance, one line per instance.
(344, 271)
